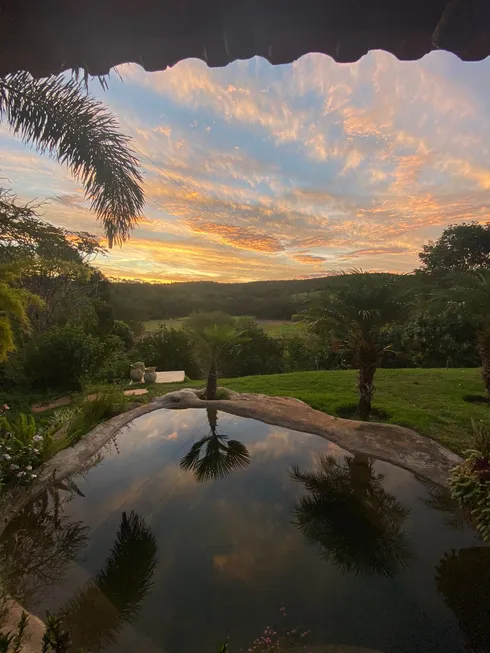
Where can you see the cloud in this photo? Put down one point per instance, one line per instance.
(240, 237)
(257, 172)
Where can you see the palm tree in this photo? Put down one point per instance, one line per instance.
(215, 456)
(352, 317)
(470, 293)
(95, 615)
(355, 521)
(213, 341)
(14, 302)
(463, 578)
(57, 117)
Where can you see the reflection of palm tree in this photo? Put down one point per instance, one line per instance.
(464, 580)
(215, 456)
(95, 615)
(38, 544)
(357, 523)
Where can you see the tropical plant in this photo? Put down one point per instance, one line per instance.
(215, 455)
(14, 302)
(470, 481)
(213, 342)
(58, 117)
(357, 524)
(95, 614)
(21, 450)
(352, 318)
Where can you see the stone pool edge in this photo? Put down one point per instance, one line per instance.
(398, 445)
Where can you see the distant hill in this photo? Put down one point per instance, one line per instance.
(272, 300)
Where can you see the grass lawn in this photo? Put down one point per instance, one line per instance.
(429, 401)
(275, 328)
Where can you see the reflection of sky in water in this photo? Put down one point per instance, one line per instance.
(229, 556)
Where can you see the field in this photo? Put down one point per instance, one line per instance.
(275, 328)
(430, 401)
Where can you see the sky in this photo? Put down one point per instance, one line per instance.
(256, 172)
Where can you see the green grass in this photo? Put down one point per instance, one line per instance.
(429, 401)
(275, 328)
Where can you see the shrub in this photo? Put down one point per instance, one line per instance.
(470, 481)
(257, 354)
(169, 349)
(21, 449)
(123, 331)
(91, 412)
(62, 357)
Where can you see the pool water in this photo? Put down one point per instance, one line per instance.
(261, 526)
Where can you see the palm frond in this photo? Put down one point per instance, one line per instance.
(357, 524)
(214, 457)
(57, 117)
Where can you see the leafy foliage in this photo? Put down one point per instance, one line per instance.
(470, 481)
(213, 341)
(21, 449)
(352, 319)
(23, 234)
(62, 357)
(461, 247)
(57, 117)
(169, 349)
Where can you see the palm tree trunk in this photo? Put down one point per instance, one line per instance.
(367, 369)
(484, 351)
(212, 381)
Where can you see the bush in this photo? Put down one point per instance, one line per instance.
(62, 357)
(92, 412)
(470, 481)
(259, 354)
(21, 449)
(123, 331)
(169, 349)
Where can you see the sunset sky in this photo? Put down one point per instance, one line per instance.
(258, 172)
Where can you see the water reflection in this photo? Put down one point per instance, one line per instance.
(96, 614)
(215, 456)
(440, 499)
(463, 578)
(349, 514)
(39, 543)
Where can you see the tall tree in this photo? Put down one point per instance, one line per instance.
(14, 303)
(25, 235)
(460, 247)
(352, 318)
(358, 525)
(215, 456)
(58, 117)
(213, 341)
(469, 294)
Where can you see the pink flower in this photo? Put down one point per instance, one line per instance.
(5, 407)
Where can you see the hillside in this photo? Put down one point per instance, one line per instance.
(268, 300)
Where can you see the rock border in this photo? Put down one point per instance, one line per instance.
(394, 444)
